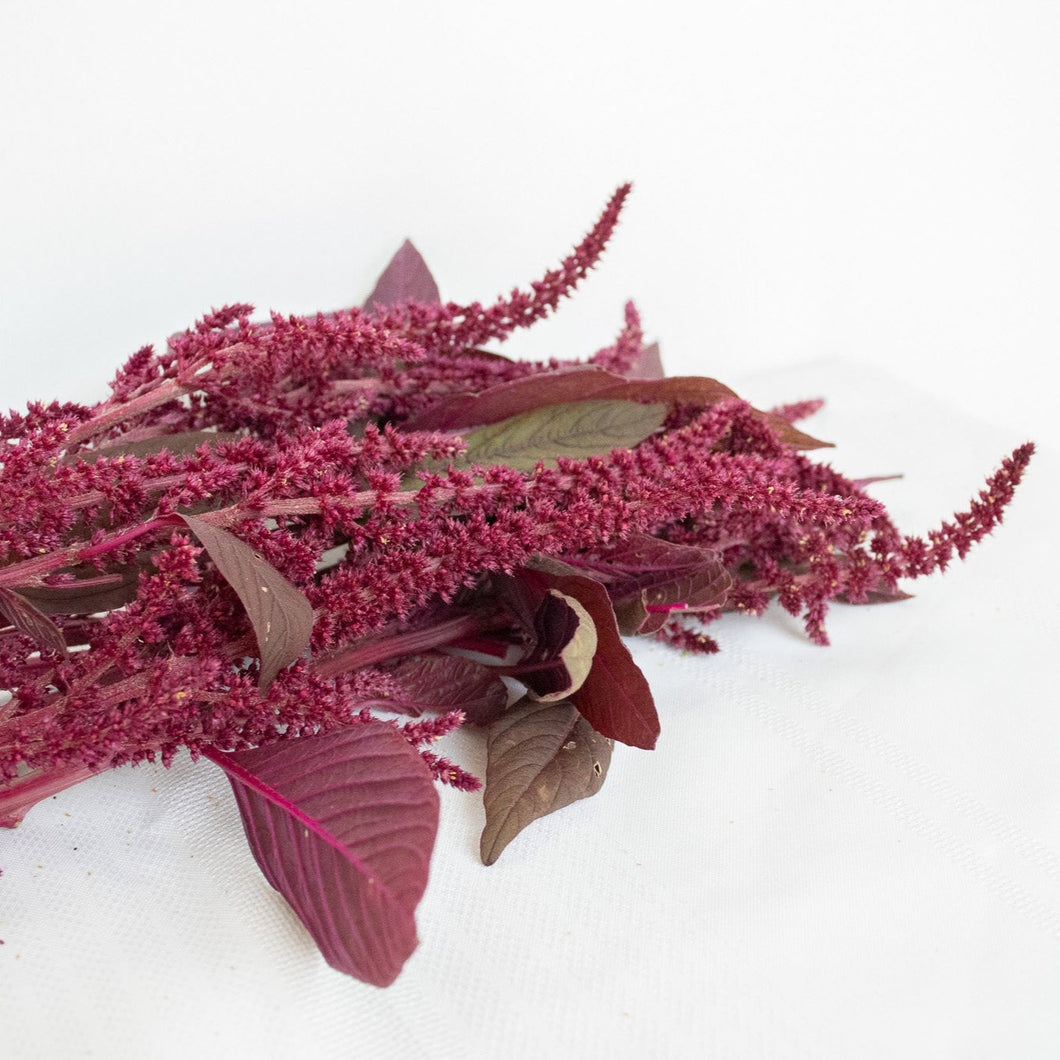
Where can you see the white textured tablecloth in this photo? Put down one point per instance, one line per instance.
(851, 851)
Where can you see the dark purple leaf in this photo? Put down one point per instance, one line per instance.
(343, 826)
(540, 758)
(576, 430)
(405, 279)
(615, 697)
(86, 596)
(279, 612)
(182, 444)
(647, 577)
(514, 397)
(436, 682)
(31, 621)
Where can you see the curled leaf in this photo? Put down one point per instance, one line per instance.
(540, 758)
(615, 697)
(563, 654)
(576, 430)
(279, 612)
(343, 826)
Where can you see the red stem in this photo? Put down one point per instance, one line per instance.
(17, 796)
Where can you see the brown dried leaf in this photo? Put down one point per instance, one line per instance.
(540, 758)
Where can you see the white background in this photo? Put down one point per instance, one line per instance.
(852, 851)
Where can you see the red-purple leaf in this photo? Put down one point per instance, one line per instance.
(438, 682)
(516, 396)
(647, 577)
(183, 443)
(279, 612)
(540, 758)
(405, 279)
(789, 434)
(615, 697)
(876, 596)
(689, 389)
(31, 621)
(85, 596)
(343, 826)
(647, 364)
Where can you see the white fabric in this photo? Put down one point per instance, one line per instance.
(833, 853)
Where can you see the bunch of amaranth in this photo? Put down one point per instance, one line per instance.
(275, 536)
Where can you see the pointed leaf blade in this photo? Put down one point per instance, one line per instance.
(576, 430)
(405, 279)
(30, 620)
(540, 758)
(279, 612)
(343, 826)
(513, 397)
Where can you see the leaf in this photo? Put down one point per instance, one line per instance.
(433, 681)
(876, 596)
(566, 645)
(540, 758)
(513, 397)
(343, 826)
(405, 279)
(279, 612)
(615, 697)
(31, 621)
(576, 430)
(647, 577)
(86, 596)
(689, 389)
(647, 365)
(789, 434)
(183, 443)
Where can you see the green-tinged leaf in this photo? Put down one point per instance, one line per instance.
(615, 697)
(279, 612)
(576, 430)
(540, 758)
(31, 621)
